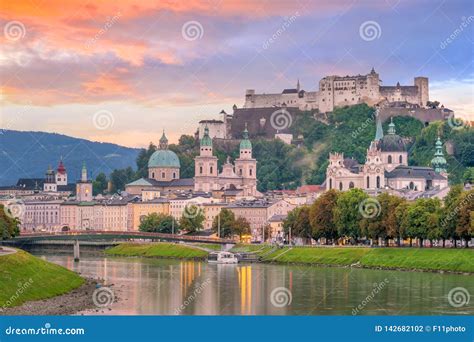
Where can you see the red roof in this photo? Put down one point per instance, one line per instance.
(307, 189)
(61, 168)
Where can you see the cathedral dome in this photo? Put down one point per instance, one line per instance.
(164, 158)
(391, 142)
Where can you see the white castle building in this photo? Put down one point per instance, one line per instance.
(337, 91)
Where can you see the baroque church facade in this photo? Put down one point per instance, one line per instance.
(242, 175)
(386, 167)
(164, 171)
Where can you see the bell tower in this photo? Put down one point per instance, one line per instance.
(84, 187)
(246, 166)
(205, 166)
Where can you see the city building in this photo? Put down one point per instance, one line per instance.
(336, 91)
(241, 176)
(386, 167)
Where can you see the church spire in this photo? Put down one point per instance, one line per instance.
(245, 143)
(439, 163)
(391, 127)
(379, 130)
(298, 85)
(206, 139)
(163, 141)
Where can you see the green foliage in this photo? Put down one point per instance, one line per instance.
(121, 177)
(227, 222)
(9, 226)
(157, 250)
(192, 219)
(159, 223)
(347, 213)
(99, 185)
(321, 216)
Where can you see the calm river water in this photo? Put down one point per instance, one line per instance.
(170, 287)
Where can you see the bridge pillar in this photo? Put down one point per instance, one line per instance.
(76, 250)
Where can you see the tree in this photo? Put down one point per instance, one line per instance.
(159, 223)
(142, 160)
(99, 185)
(192, 219)
(227, 222)
(121, 177)
(9, 226)
(241, 227)
(465, 224)
(321, 216)
(450, 214)
(394, 225)
(419, 216)
(347, 214)
(402, 222)
(468, 176)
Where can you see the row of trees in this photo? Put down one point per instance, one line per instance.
(192, 221)
(9, 226)
(353, 215)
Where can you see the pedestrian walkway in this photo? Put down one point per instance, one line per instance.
(6, 251)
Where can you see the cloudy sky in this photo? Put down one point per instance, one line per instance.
(121, 71)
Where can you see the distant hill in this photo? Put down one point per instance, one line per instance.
(28, 154)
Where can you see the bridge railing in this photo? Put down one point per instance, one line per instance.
(138, 235)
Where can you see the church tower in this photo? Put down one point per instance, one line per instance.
(246, 166)
(205, 166)
(50, 181)
(439, 163)
(61, 174)
(84, 187)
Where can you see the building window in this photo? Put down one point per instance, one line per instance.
(240, 172)
(340, 186)
(400, 159)
(211, 170)
(163, 175)
(378, 182)
(390, 159)
(200, 170)
(152, 175)
(368, 182)
(330, 183)
(174, 175)
(412, 185)
(351, 185)
(250, 171)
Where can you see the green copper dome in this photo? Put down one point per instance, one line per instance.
(164, 158)
(206, 139)
(245, 143)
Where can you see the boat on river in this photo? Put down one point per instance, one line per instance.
(222, 258)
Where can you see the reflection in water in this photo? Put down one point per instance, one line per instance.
(170, 287)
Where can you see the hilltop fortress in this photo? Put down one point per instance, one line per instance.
(337, 91)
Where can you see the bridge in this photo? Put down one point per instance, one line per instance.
(108, 238)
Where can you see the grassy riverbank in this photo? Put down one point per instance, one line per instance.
(157, 250)
(24, 277)
(426, 259)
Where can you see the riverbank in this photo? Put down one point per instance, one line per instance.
(157, 250)
(25, 278)
(407, 259)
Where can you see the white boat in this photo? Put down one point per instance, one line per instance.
(222, 258)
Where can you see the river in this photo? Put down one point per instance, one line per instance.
(171, 287)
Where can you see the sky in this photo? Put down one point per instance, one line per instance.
(122, 71)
